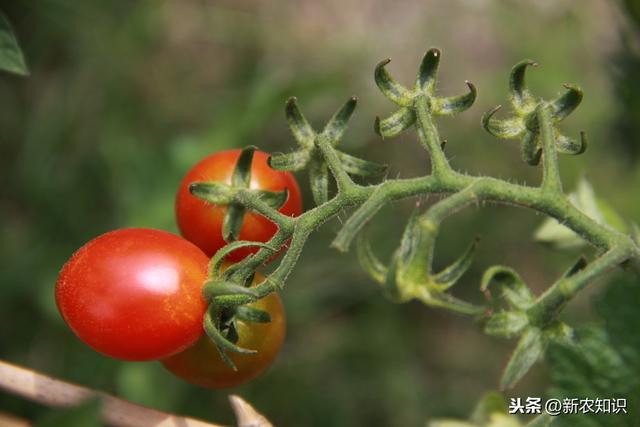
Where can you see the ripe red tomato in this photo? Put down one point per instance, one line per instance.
(201, 222)
(202, 364)
(134, 294)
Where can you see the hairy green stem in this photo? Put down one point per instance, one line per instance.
(429, 137)
(343, 181)
(550, 173)
(249, 200)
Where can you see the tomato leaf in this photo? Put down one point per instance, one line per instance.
(604, 362)
(11, 58)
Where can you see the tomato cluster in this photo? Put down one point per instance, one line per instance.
(136, 294)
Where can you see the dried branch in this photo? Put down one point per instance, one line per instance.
(55, 393)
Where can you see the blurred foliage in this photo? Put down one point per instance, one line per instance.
(124, 96)
(626, 68)
(85, 415)
(11, 58)
(605, 363)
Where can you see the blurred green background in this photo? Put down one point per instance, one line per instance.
(124, 97)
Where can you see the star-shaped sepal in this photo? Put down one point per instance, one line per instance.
(308, 155)
(524, 124)
(222, 194)
(405, 98)
(408, 275)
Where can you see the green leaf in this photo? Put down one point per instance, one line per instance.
(619, 307)
(604, 360)
(592, 369)
(11, 58)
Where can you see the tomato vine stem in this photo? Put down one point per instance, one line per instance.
(409, 274)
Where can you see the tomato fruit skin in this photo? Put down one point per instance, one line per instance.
(134, 294)
(202, 364)
(201, 222)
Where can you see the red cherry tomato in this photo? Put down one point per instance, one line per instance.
(134, 294)
(202, 365)
(201, 222)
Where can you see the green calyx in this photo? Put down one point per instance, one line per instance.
(511, 309)
(309, 154)
(409, 275)
(232, 195)
(525, 124)
(406, 99)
